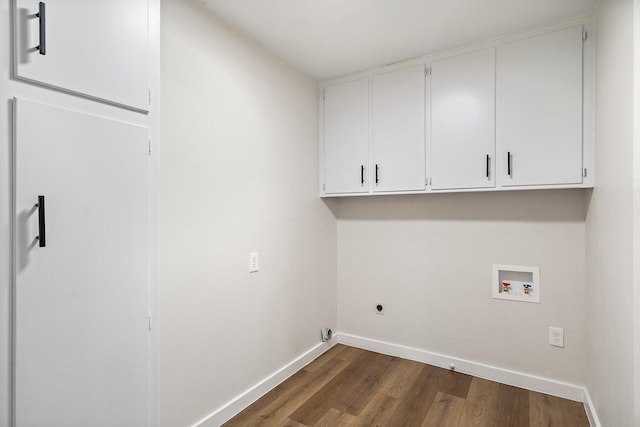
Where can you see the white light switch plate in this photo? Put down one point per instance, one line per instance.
(253, 262)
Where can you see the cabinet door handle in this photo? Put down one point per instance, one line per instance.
(42, 233)
(509, 163)
(488, 162)
(377, 167)
(42, 20)
(361, 174)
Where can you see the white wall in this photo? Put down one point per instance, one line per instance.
(429, 258)
(609, 222)
(238, 174)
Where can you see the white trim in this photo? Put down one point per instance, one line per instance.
(590, 409)
(636, 213)
(493, 373)
(463, 190)
(504, 376)
(154, 211)
(240, 402)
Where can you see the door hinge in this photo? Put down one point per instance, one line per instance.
(427, 71)
(324, 187)
(584, 173)
(149, 147)
(149, 321)
(584, 35)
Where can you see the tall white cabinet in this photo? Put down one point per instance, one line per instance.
(83, 132)
(82, 275)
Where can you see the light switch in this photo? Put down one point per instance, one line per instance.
(253, 262)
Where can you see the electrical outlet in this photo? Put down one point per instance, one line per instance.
(379, 307)
(556, 337)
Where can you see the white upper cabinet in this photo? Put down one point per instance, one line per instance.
(398, 135)
(97, 49)
(541, 110)
(346, 137)
(505, 114)
(463, 121)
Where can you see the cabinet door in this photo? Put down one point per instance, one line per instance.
(98, 49)
(81, 301)
(541, 110)
(346, 137)
(463, 121)
(399, 130)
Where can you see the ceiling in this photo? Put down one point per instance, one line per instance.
(328, 38)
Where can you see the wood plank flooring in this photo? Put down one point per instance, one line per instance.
(347, 386)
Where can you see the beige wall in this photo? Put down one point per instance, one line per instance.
(429, 258)
(610, 221)
(239, 168)
(238, 174)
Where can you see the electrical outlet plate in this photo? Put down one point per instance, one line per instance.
(556, 337)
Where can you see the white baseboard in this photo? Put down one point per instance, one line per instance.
(237, 404)
(493, 373)
(590, 409)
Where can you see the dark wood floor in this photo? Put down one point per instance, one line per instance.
(347, 386)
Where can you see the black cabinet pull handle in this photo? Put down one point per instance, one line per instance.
(42, 18)
(361, 174)
(488, 162)
(377, 167)
(42, 233)
(509, 163)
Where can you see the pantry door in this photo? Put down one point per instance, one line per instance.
(81, 269)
